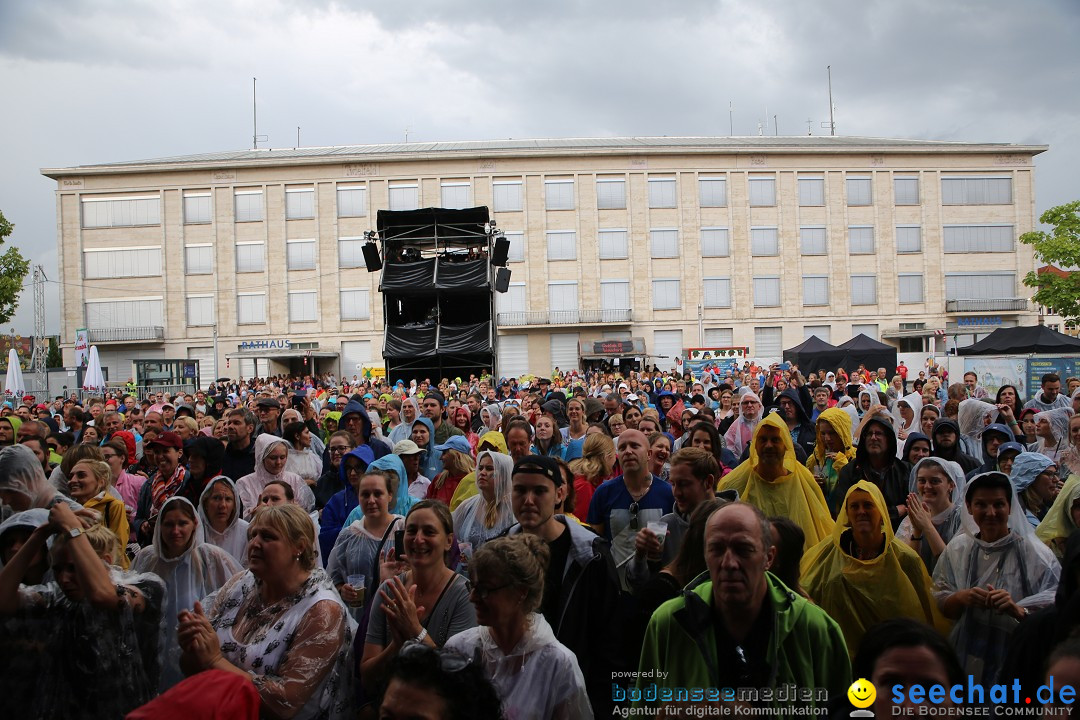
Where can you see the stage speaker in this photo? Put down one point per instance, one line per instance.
(502, 280)
(501, 252)
(371, 257)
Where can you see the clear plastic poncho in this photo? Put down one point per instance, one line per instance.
(250, 486)
(189, 577)
(1025, 470)
(472, 516)
(859, 594)
(972, 418)
(20, 472)
(1058, 524)
(795, 495)
(1018, 563)
(538, 679)
(947, 522)
(357, 552)
(233, 539)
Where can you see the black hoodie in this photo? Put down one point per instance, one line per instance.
(892, 481)
(804, 429)
(954, 453)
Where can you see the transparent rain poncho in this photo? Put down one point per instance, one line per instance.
(233, 539)
(189, 577)
(79, 661)
(357, 552)
(1017, 562)
(20, 472)
(1025, 471)
(795, 495)
(472, 516)
(249, 486)
(859, 594)
(538, 679)
(947, 523)
(298, 650)
(972, 416)
(1058, 524)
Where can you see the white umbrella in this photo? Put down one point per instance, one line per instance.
(14, 387)
(93, 379)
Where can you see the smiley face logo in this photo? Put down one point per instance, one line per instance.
(862, 693)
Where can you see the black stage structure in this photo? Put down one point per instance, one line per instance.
(439, 272)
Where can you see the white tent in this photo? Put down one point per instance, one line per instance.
(94, 379)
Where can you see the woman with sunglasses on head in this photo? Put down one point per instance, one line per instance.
(536, 676)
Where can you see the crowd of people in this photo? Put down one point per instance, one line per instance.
(559, 547)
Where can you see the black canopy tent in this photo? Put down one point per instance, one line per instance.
(862, 350)
(814, 353)
(1037, 339)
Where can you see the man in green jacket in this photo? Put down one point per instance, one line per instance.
(742, 637)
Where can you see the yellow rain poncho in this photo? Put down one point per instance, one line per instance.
(1058, 524)
(859, 594)
(829, 468)
(795, 495)
(467, 487)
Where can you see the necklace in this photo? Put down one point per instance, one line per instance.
(637, 496)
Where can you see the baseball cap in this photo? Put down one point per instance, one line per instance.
(406, 447)
(455, 442)
(268, 402)
(168, 439)
(540, 465)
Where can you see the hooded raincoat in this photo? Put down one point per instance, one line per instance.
(250, 486)
(336, 513)
(1058, 524)
(972, 418)
(402, 500)
(795, 495)
(358, 551)
(403, 431)
(538, 679)
(1025, 470)
(826, 470)
(20, 472)
(467, 487)
(370, 436)
(199, 570)
(1059, 427)
(741, 431)
(859, 594)
(947, 522)
(430, 460)
(233, 539)
(472, 517)
(903, 428)
(892, 479)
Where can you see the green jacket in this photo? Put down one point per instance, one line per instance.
(807, 648)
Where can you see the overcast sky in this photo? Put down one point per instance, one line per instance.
(86, 81)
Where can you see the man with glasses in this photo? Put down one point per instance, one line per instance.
(269, 411)
(739, 435)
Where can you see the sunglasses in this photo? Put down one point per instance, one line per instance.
(482, 593)
(634, 509)
(448, 660)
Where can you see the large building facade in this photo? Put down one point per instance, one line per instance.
(251, 261)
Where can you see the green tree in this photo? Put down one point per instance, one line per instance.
(1061, 248)
(54, 359)
(13, 270)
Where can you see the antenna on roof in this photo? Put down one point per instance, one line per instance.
(255, 136)
(831, 125)
(809, 126)
(775, 129)
(730, 118)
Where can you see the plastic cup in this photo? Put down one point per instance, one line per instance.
(660, 529)
(357, 582)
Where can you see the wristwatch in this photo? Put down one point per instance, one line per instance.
(420, 638)
(75, 532)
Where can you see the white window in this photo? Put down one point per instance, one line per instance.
(614, 295)
(980, 286)
(199, 259)
(564, 351)
(667, 345)
(120, 212)
(768, 342)
(762, 191)
(404, 196)
(611, 193)
(514, 300)
(562, 245)
(513, 355)
(910, 288)
(813, 241)
(563, 302)
(354, 354)
(516, 239)
(858, 191)
(299, 203)
(712, 191)
(200, 310)
(351, 252)
(249, 205)
(719, 337)
(351, 201)
(717, 292)
(355, 304)
(612, 243)
(764, 242)
(869, 330)
(664, 243)
(250, 257)
(254, 367)
(559, 194)
(207, 364)
(302, 306)
(250, 308)
(300, 254)
(861, 239)
(811, 191)
(507, 195)
(122, 262)
(978, 238)
(766, 292)
(815, 290)
(908, 239)
(863, 289)
(906, 190)
(666, 295)
(822, 332)
(976, 191)
(132, 312)
(456, 195)
(715, 242)
(662, 192)
(197, 208)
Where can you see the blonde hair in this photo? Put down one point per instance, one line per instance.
(518, 560)
(454, 463)
(294, 524)
(187, 422)
(101, 471)
(592, 465)
(102, 539)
